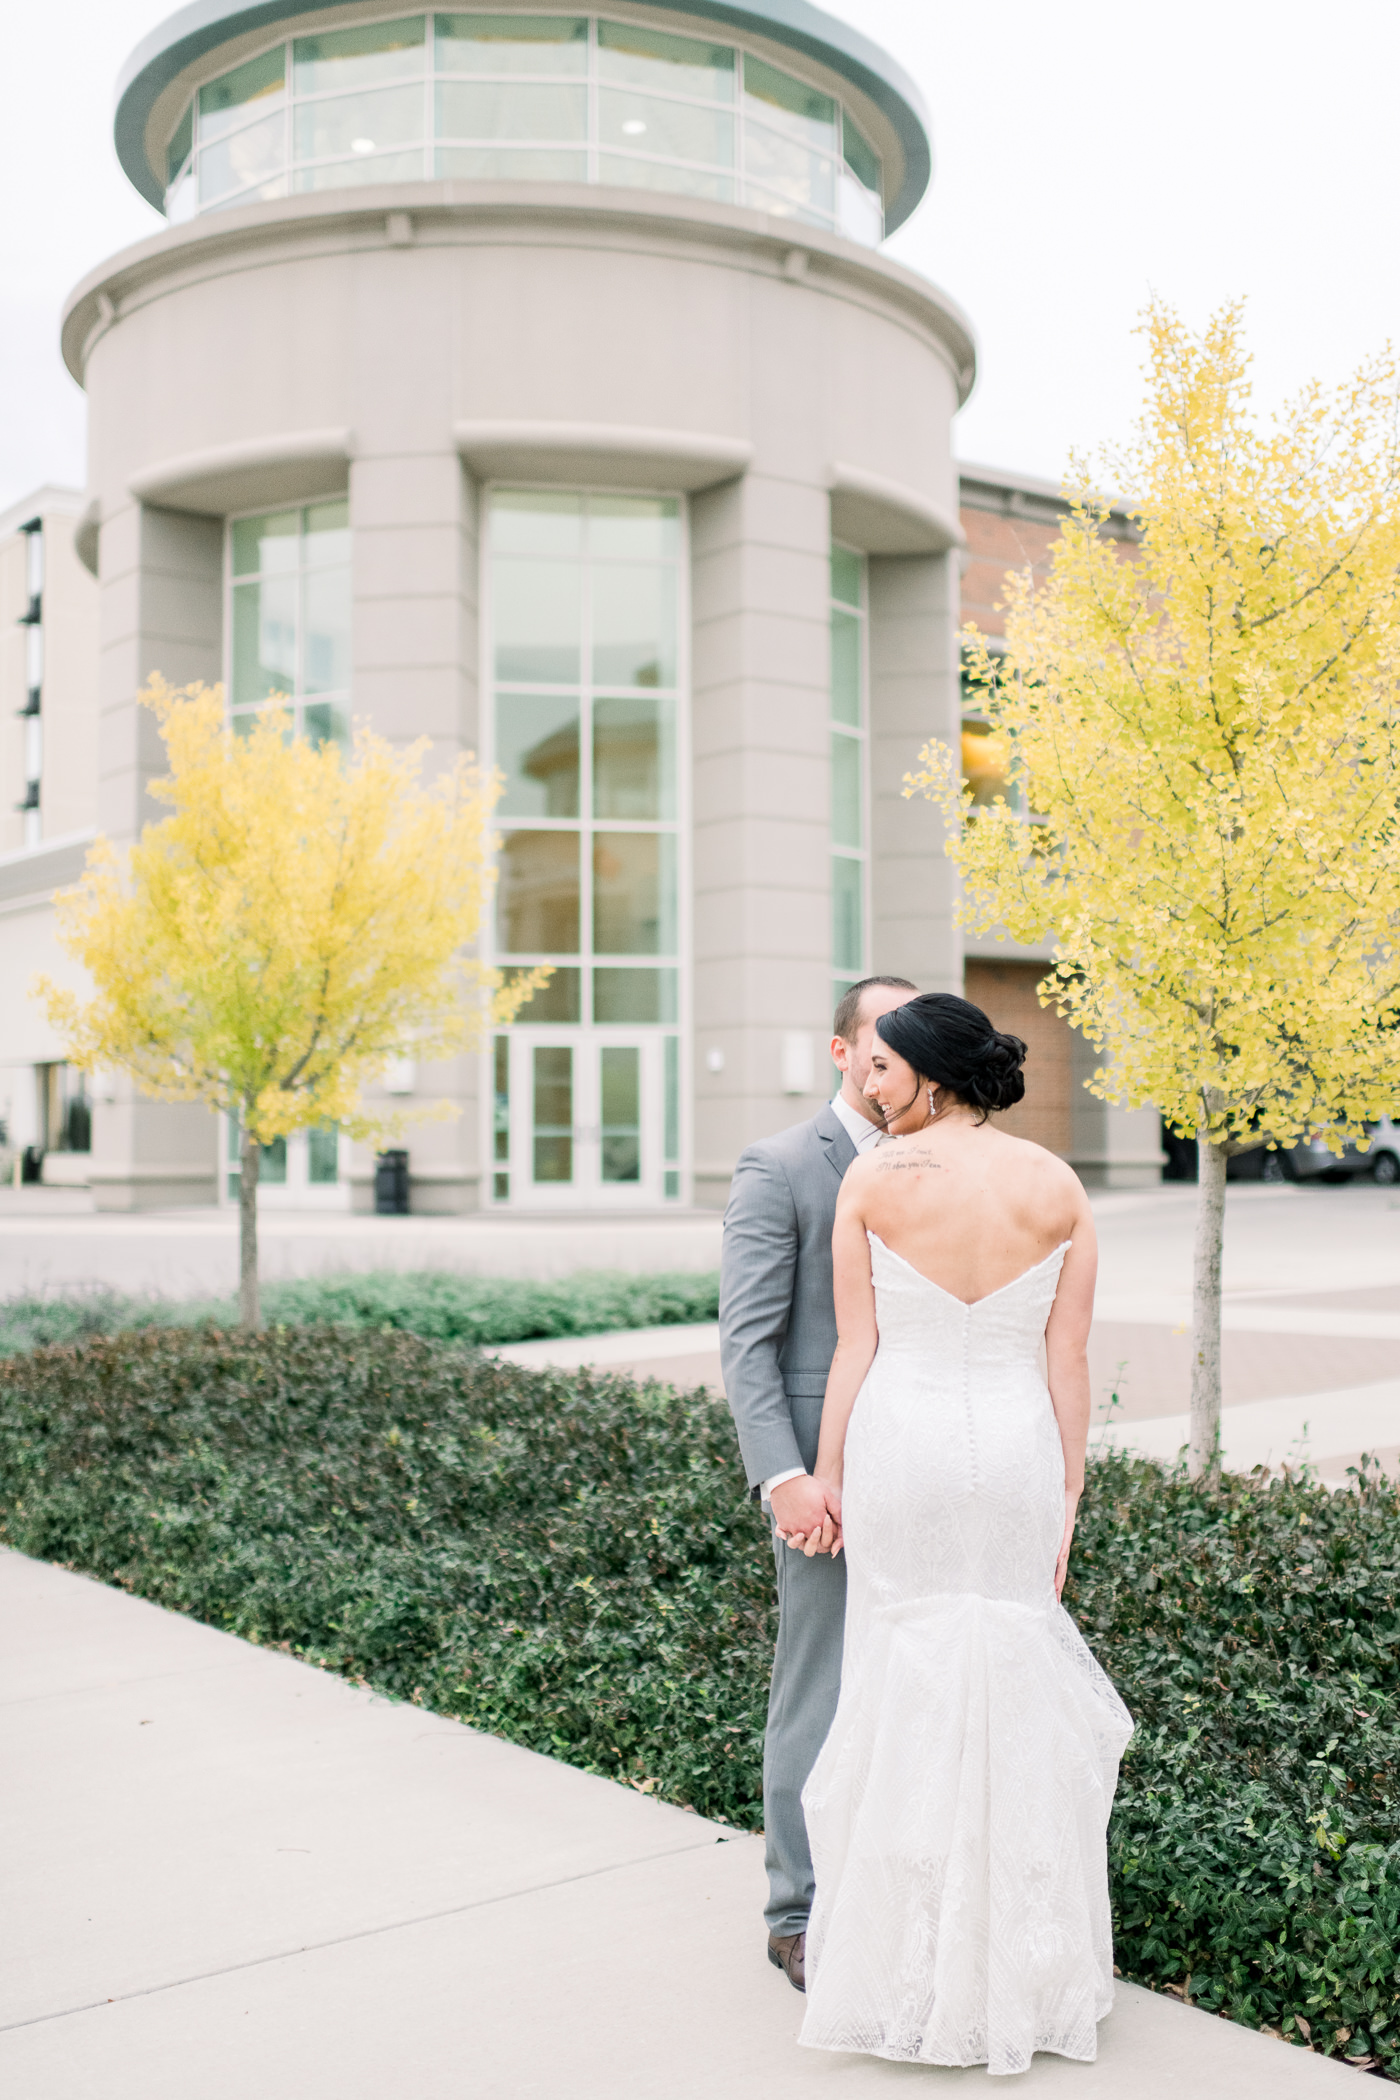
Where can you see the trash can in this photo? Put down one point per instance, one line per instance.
(391, 1185)
(32, 1164)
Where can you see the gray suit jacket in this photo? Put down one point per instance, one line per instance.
(777, 1318)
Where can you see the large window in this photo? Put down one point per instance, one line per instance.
(850, 841)
(65, 1112)
(288, 629)
(289, 618)
(585, 665)
(517, 97)
(986, 750)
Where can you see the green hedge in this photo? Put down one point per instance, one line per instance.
(572, 1563)
(476, 1310)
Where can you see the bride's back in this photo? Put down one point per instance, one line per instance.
(968, 1206)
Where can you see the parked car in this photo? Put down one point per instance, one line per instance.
(1384, 1155)
(1310, 1160)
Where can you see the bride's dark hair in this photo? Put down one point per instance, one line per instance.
(951, 1043)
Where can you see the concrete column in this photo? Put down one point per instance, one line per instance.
(413, 540)
(162, 611)
(761, 844)
(914, 695)
(413, 519)
(1114, 1148)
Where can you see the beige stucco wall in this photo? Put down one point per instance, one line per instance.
(408, 343)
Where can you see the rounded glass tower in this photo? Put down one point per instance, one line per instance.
(532, 381)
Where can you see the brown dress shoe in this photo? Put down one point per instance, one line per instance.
(788, 1952)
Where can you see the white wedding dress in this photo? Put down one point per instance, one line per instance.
(957, 1811)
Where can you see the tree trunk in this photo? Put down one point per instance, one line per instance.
(1205, 1313)
(249, 1161)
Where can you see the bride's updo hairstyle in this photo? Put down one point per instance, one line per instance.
(951, 1043)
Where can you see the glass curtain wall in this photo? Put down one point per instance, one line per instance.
(850, 831)
(518, 97)
(585, 667)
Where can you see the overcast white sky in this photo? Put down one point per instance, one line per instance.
(1086, 154)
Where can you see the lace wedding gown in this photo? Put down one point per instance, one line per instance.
(957, 1810)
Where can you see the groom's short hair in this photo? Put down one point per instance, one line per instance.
(845, 1022)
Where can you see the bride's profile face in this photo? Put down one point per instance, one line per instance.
(896, 1090)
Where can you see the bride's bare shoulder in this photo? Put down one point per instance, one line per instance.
(1050, 1173)
(872, 1168)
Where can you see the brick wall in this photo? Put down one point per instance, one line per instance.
(1006, 993)
(994, 545)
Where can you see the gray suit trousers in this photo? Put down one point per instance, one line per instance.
(801, 1708)
(777, 1336)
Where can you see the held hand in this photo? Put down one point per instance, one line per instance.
(831, 1488)
(802, 1516)
(1062, 1558)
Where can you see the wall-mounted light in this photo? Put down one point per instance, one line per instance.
(714, 1060)
(400, 1075)
(799, 1062)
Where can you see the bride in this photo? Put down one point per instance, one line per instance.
(957, 1811)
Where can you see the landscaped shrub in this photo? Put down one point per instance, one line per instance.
(481, 1310)
(1254, 1629)
(573, 1563)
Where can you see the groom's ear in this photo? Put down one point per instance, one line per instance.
(841, 1053)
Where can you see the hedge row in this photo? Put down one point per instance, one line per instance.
(476, 1310)
(572, 1563)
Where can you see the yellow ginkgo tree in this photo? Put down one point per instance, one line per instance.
(297, 921)
(1206, 730)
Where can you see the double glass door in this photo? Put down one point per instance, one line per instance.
(580, 1118)
(305, 1171)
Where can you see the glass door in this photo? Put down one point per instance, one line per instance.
(302, 1172)
(581, 1118)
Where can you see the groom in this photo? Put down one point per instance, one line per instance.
(777, 1336)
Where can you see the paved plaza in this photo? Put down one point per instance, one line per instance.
(1311, 1342)
(1312, 1297)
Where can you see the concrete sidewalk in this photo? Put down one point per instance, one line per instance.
(47, 1246)
(229, 1874)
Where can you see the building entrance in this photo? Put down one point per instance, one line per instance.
(582, 1118)
(584, 652)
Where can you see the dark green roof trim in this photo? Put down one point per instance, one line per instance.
(205, 24)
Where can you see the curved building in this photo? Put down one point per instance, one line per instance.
(533, 381)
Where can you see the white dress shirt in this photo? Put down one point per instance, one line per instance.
(862, 1134)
